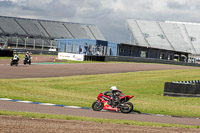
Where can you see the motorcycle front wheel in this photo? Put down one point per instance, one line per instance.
(97, 106)
(126, 108)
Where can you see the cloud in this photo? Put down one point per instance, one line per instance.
(6, 3)
(108, 15)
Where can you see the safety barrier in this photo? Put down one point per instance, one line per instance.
(6, 53)
(136, 59)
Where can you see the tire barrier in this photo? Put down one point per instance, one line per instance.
(182, 88)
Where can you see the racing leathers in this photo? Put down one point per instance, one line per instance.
(115, 94)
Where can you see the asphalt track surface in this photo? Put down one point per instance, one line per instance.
(25, 107)
(39, 70)
(57, 70)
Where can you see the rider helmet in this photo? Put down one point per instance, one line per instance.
(113, 88)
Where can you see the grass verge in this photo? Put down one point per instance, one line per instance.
(99, 120)
(21, 56)
(147, 87)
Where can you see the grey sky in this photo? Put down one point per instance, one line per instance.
(108, 15)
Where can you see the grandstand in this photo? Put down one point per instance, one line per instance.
(173, 36)
(34, 34)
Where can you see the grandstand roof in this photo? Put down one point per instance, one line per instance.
(169, 35)
(13, 26)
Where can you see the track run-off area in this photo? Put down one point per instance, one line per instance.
(41, 70)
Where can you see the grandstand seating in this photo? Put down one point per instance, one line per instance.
(9, 26)
(155, 37)
(29, 26)
(186, 38)
(90, 34)
(194, 36)
(76, 30)
(137, 33)
(56, 30)
(95, 32)
(33, 33)
(176, 36)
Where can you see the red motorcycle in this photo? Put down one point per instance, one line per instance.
(106, 102)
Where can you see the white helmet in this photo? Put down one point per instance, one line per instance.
(113, 88)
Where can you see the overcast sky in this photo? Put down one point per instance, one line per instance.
(108, 15)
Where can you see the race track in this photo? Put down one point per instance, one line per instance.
(26, 107)
(58, 70)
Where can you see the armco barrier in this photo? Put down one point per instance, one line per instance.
(136, 59)
(182, 88)
(94, 58)
(147, 60)
(22, 51)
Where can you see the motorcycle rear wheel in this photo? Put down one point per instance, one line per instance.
(126, 108)
(97, 106)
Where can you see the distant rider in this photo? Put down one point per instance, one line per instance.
(15, 57)
(115, 94)
(28, 56)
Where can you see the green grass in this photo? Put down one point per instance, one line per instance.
(21, 56)
(147, 87)
(5, 58)
(71, 61)
(98, 120)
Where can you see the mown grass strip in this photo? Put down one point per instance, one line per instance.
(99, 120)
(21, 56)
(147, 87)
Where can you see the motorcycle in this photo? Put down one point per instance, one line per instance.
(27, 61)
(105, 102)
(14, 62)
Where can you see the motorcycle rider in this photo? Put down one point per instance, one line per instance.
(28, 56)
(115, 95)
(15, 57)
(14, 60)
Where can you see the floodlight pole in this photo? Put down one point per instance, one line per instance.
(17, 41)
(42, 44)
(34, 43)
(25, 43)
(51, 44)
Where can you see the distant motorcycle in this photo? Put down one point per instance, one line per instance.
(14, 62)
(105, 102)
(27, 61)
